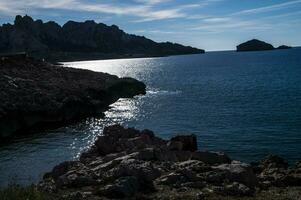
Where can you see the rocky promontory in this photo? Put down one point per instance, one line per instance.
(35, 94)
(258, 45)
(132, 164)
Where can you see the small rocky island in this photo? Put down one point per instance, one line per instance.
(81, 41)
(132, 164)
(35, 94)
(258, 45)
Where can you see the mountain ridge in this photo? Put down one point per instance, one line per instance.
(76, 40)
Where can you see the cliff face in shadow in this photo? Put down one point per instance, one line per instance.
(257, 45)
(36, 94)
(80, 40)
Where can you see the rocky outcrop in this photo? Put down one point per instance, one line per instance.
(284, 47)
(128, 163)
(36, 94)
(80, 40)
(257, 45)
(254, 45)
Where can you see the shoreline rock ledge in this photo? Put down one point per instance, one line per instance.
(38, 95)
(132, 164)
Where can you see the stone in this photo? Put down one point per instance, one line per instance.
(211, 158)
(239, 172)
(70, 180)
(123, 187)
(171, 179)
(175, 145)
(189, 142)
(237, 189)
(62, 169)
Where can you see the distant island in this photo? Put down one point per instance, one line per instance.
(258, 45)
(80, 41)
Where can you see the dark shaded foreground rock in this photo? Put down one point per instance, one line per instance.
(127, 163)
(36, 94)
(258, 45)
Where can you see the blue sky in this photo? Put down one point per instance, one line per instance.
(207, 24)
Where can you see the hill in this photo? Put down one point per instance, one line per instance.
(258, 45)
(80, 40)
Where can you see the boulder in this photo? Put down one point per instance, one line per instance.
(189, 142)
(237, 189)
(239, 172)
(211, 158)
(123, 187)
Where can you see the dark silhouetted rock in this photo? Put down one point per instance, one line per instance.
(157, 168)
(38, 95)
(80, 40)
(284, 47)
(188, 142)
(254, 45)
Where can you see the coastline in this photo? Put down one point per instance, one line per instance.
(128, 163)
(37, 94)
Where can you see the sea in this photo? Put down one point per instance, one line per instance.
(246, 104)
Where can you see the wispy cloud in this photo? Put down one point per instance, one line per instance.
(268, 8)
(144, 10)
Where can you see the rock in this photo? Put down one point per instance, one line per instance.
(132, 164)
(121, 188)
(188, 142)
(73, 180)
(193, 165)
(62, 169)
(106, 145)
(239, 172)
(116, 131)
(254, 45)
(147, 154)
(211, 158)
(81, 41)
(273, 161)
(172, 179)
(145, 172)
(238, 189)
(175, 146)
(196, 184)
(52, 96)
(284, 47)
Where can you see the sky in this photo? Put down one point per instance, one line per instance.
(207, 24)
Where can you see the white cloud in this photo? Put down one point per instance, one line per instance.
(146, 10)
(268, 8)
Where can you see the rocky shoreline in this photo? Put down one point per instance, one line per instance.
(37, 95)
(132, 164)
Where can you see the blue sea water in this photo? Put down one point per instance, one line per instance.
(246, 104)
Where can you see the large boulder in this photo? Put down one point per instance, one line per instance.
(211, 158)
(239, 172)
(123, 187)
(184, 142)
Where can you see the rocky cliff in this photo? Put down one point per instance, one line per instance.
(37, 94)
(80, 40)
(132, 164)
(257, 45)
